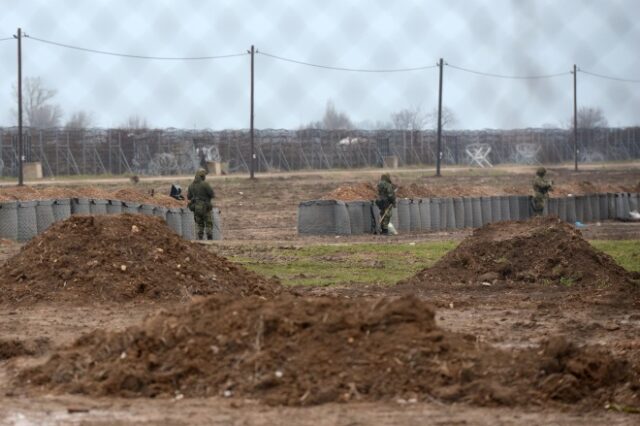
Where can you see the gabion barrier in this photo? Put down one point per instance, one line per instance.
(356, 217)
(434, 208)
(160, 212)
(80, 206)
(425, 214)
(61, 209)
(9, 220)
(174, 219)
(579, 209)
(404, 215)
(147, 209)
(486, 210)
(435, 214)
(458, 212)
(114, 207)
(323, 217)
(23, 220)
(603, 207)
(188, 224)
(514, 208)
(130, 207)
(611, 200)
(553, 207)
(27, 221)
(368, 220)
(415, 224)
(634, 202)
(217, 224)
(496, 209)
(476, 211)
(468, 212)
(97, 206)
(395, 218)
(449, 214)
(44, 215)
(505, 212)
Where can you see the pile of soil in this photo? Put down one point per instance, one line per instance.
(113, 258)
(10, 348)
(134, 195)
(51, 192)
(302, 351)
(543, 250)
(361, 191)
(367, 191)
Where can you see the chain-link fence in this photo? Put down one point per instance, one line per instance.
(151, 88)
(168, 152)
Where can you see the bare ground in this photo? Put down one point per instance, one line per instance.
(263, 212)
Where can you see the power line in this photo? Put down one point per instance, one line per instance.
(512, 77)
(126, 55)
(329, 67)
(608, 77)
(7, 38)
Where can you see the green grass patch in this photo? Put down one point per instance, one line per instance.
(625, 252)
(343, 264)
(371, 263)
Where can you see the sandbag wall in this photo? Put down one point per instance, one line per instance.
(332, 217)
(23, 220)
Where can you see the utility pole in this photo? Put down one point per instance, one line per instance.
(20, 148)
(439, 153)
(253, 155)
(575, 117)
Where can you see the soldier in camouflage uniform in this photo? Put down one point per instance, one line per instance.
(541, 188)
(200, 195)
(385, 201)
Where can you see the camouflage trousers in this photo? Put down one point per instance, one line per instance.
(537, 204)
(202, 216)
(384, 222)
(204, 224)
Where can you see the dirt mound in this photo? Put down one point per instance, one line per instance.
(96, 258)
(288, 350)
(10, 348)
(569, 373)
(541, 250)
(360, 191)
(134, 195)
(303, 351)
(50, 192)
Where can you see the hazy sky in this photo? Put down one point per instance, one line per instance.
(507, 37)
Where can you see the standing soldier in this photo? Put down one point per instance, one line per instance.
(541, 188)
(200, 195)
(385, 201)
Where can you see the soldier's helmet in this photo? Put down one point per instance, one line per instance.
(386, 177)
(201, 173)
(541, 171)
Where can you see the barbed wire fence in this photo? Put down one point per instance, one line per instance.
(81, 151)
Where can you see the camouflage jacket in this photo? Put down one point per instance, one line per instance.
(199, 190)
(386, 192)
(541, 186)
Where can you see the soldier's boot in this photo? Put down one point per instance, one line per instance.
(200, 235)
(209, 236)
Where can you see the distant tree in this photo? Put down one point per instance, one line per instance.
(79, 120)
(409, 119)
(39, 111)
(135, 122)
(332, 120)
(590, 118)
(449, 118)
